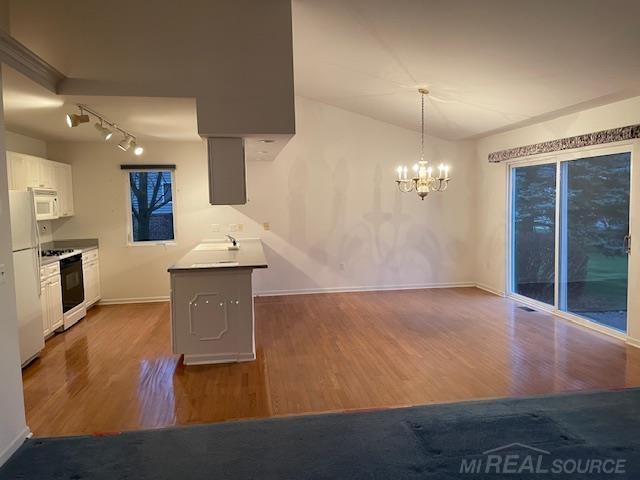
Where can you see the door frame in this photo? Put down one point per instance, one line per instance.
(633, 307)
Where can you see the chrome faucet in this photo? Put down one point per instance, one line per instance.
(232, 240)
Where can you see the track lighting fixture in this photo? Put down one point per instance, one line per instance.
(125, 144)
(105, 128)
(105, 132)
(75, 119)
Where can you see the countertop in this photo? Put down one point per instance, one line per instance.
(215, 256)
(83, 245)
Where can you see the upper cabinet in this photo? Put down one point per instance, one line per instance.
(63, 182)
(24, 171)
(27, 171)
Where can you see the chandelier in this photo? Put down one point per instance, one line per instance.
(423, 180)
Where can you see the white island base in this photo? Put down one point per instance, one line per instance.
(212, 318)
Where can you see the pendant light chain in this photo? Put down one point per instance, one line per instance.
(422, 138)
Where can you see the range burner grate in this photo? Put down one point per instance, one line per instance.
(56, 253)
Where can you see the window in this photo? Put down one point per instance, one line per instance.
(151, 206)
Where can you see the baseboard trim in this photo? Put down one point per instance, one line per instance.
(213, 358)
(633, 342)
(14, 445)
(489, 289)
(370, 288)
(126, 301)
(303, 291)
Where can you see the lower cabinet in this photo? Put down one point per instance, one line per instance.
(212, 315)
(91, 276)
(51, 299)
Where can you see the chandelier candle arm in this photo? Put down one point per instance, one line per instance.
(423, 181)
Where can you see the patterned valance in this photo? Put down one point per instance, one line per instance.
(586, 140)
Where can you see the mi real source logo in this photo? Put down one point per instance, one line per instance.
(503, 460)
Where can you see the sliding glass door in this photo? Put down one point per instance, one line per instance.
(593, 238)
(569, 236)
(534, 231)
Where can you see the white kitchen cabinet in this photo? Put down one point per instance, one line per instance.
(51, 298)
(54, 293)
(46, 174)
(91, 276)
(25, 171)
(63, 182)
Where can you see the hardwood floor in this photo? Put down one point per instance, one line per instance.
(114, 371)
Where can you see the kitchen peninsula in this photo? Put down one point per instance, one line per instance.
(212, 319)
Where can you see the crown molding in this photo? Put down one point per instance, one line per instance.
(19, 57)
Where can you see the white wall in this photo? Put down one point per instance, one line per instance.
(13, 428)
(491, 204)
(16, 142)
(337, 220)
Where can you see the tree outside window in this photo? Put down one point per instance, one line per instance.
(151, 206)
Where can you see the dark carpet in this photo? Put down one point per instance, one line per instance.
(591, 435)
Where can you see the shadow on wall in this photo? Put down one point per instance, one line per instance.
(329, 243)
(381, 231)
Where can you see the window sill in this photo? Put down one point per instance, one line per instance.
(152, 244)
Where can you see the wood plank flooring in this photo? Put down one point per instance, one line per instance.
(115, 371)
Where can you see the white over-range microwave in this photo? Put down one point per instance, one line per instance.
(46, 203)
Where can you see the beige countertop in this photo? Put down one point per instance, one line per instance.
(216, 255)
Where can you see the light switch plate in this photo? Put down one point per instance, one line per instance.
(3, 274)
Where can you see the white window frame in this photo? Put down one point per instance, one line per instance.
(129, 213)
(631, 147)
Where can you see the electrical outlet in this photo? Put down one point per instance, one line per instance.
(3, 274)
(233, 227)
(215, 227)
(266, 226)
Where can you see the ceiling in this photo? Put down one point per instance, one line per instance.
(32, 110)
(490, 64)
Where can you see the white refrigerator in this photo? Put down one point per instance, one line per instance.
(26, 267)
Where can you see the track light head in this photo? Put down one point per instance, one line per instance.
(105, 132)
(125, 144)
(137, 149)
(75, 119)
